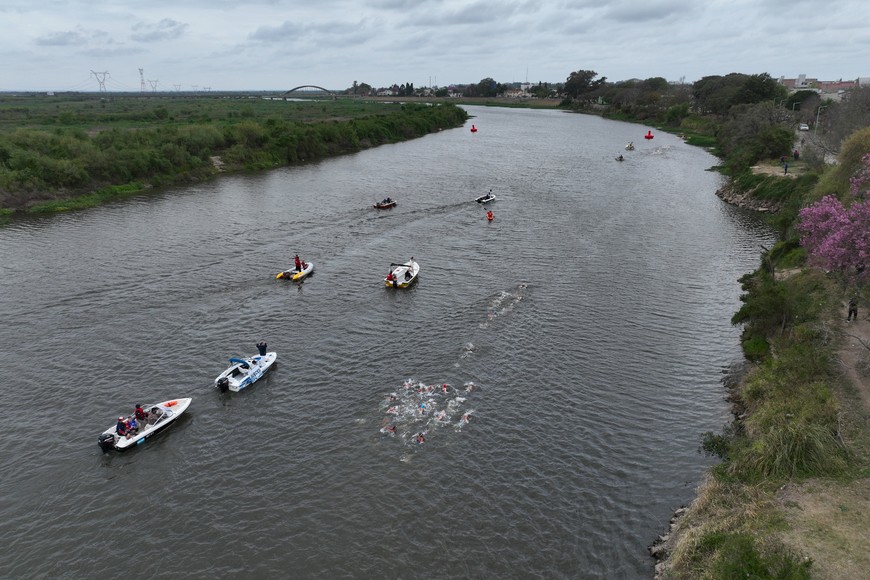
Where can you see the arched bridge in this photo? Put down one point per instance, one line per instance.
(310, 87)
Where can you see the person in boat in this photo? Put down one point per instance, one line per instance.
(154, 415)
(132, 424)
(390, 276)
(298, 263)
(139, 412)
(121, 428)
(489, 215)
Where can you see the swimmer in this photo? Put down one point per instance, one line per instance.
(393, 398)
(422, 408)
(391, 429)
(466, 418)
(444, 388)
(419, 438)
(441, 416)
(393, 411)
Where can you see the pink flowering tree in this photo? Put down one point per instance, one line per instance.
(837, 238)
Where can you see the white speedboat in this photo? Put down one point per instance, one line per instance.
(485, 198)
(159, 417)
(244, 372)
(307, 268)
(402, 275)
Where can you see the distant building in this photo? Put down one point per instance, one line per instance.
(827, 88)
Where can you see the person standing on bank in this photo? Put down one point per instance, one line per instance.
(853, 310)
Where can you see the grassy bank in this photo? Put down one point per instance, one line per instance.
(66, 152)
(789, 498)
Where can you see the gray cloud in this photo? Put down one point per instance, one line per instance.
(77, 37)
(242, 44)
(166, 29)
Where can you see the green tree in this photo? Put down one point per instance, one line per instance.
(581, 82)
(715, 94)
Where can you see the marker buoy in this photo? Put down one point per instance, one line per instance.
(473, 129)
(648, 135)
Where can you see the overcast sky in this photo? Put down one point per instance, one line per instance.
(280, 44)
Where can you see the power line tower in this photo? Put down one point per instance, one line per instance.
(177, 88)
(153, 85)
(142, 80)
(101, 79)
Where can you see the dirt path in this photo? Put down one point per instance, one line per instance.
(855, 354)
(828, 519)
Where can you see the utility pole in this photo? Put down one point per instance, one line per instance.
(101, 79)
(142, 79)
(153, 85)
(819, 112)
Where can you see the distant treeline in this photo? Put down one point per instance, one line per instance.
(73, 149)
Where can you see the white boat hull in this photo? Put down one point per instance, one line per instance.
(171, 410)
(403, 275)
(238, 377)
(296, 274)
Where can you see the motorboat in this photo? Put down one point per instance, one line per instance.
(386, 203)
(620, 158)
(159, 416)
(244, 372)
(402, 275)
(485, 198)
(307, 268)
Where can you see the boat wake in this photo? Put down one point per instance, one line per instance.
(416, 413)
(504, 303)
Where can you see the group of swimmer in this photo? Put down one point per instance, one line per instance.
(129, 426)
(420, 407)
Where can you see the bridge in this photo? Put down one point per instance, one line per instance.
(294, 89)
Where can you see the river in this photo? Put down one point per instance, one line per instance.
(584, 330)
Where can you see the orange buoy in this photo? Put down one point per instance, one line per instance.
(648, 135)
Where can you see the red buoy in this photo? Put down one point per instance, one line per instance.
(648, 135)
(473, 129)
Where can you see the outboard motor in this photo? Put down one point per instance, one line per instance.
(106, 442)
(261, 346)
(223, 384)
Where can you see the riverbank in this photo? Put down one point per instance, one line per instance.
(792, 495)
(58, 154)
